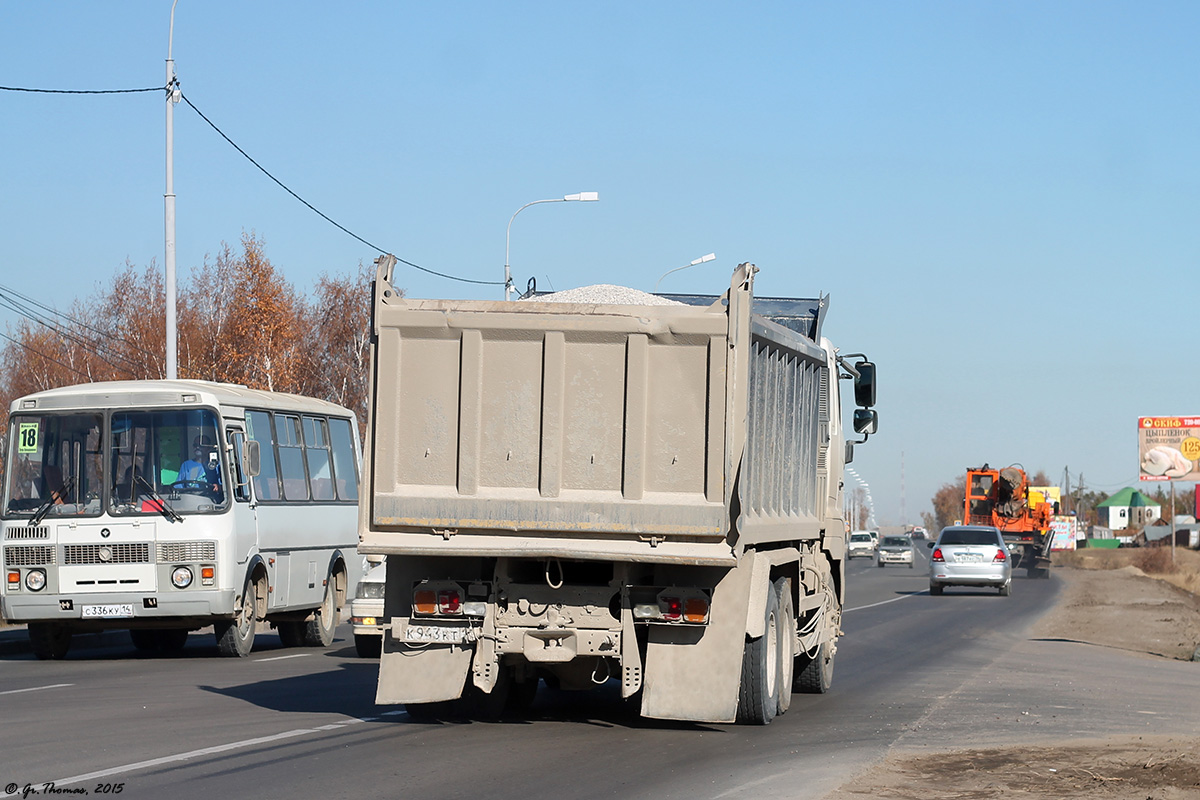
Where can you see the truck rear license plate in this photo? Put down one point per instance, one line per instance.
(434, 633)
(117, 611)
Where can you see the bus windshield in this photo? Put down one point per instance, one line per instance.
(169, 457)
(156, 462)
(55, 465)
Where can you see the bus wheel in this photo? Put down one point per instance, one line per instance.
(319, 630)
(49, 641)
(235, 637)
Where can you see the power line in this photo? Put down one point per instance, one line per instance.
(320, 213)
(81, 91)
(101, 335)
(43, 355)
(264, 171)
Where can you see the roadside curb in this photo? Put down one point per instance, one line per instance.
(15, 641)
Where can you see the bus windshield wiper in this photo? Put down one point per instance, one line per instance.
(55, 497)
(163, 505)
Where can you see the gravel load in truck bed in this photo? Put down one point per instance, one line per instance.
(606, 294)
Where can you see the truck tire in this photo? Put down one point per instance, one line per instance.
(787, 640)
(758, 695)
(368, 645)
(817, 676)
(318, 631)
(235, 637)
(49, 640)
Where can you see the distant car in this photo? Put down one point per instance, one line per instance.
(970, 555)
(861, 544)
(366, 613)
(895, 550)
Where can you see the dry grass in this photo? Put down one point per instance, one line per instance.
(1156, 562)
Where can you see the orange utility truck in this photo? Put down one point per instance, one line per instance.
(1001, 498)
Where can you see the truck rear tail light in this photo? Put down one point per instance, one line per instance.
(425, 601)
(695, 609)
(449, 601)
(1000, 556)
(937, 555)
(672, 608)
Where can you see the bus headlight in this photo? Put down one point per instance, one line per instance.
(35, 580)
(182, 577)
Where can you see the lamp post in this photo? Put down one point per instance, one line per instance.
(700, 260)
(169, 209)
(581, 196)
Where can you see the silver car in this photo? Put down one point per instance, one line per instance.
(970, 555)
(895, 550)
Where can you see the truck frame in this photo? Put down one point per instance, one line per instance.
(581, 493)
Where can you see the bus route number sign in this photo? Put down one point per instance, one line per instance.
(27, 437)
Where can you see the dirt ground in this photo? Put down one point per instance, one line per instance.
(1153, 616)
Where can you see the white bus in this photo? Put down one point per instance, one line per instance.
(167, 506)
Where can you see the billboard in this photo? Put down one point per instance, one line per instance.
(1065, 532)
(1169, 448)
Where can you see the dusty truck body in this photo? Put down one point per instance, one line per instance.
(581, 493)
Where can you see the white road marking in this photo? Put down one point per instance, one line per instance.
(38, 688)
(883, 602)
(281, 658)
(220, 748)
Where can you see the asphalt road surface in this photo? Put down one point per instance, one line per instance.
(301, 723)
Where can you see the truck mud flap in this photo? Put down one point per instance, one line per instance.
(694, 673)
(428, 675)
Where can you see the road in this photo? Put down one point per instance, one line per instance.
(302, 723)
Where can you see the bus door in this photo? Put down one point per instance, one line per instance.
(245, 513)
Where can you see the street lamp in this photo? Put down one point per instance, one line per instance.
(700, 260)
(581, 196)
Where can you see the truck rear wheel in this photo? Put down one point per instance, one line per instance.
(787, 639)
(817, 676)
(758, 695)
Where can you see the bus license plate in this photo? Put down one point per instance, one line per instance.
(118, 611)
(434, 633)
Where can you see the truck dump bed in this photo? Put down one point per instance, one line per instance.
(597, 431)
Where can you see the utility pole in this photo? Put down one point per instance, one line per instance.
(903, 510)
(172, 345)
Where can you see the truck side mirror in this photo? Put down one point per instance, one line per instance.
(866, 420)
(252, 457)
(864, 384)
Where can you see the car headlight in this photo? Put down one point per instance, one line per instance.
(182, 577)
(369, 590)
(35, 580)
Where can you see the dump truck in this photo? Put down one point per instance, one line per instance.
(1001, 498)
(642, 495)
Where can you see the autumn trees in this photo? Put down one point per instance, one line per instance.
(239, 321)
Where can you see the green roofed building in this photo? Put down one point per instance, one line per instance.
(1128, 508)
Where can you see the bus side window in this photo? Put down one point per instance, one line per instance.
(258, 428)
(316, 450)
(291, 457)
(345, 462)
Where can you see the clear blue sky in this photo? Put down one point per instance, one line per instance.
(1002, 198)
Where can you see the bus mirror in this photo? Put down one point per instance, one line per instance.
(866, 420)
(849, 452)
(252, 457)
(864, 385)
